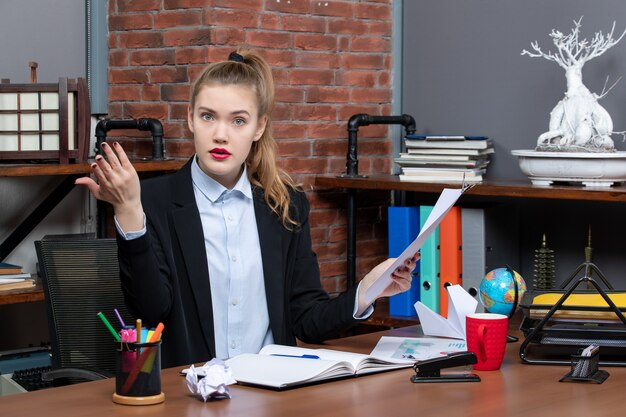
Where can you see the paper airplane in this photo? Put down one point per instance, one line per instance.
(460, 304)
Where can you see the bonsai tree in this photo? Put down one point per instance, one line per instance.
(578, 123)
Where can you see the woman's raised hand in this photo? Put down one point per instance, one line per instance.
(117, 183)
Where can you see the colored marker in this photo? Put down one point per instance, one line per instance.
(108, 325)
(298, 356)
(119, 317)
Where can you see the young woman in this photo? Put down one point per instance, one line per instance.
(220, 251)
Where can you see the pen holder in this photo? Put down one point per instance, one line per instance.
(585, 368)
(138, 374)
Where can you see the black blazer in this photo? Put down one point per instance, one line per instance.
(165, 276)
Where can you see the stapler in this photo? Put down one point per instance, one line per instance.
(430, 369)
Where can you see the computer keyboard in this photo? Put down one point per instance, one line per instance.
(30, 379)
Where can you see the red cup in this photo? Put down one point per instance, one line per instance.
(486, 337)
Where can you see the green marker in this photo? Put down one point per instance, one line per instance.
(111, 329)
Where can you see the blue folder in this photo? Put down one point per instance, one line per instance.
(404, 226)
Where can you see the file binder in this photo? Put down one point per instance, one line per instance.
(404, 226)
(450, 252)
(429, 265)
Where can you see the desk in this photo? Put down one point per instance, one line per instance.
(515, 390)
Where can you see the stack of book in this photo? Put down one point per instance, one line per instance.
(445, 158)
(12, 277)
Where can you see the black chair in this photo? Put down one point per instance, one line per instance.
(80, 276)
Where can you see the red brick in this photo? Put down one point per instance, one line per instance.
(118, 58)
(128, 76)
(348, 27)
(311, 77)
(288, 7)
(317, 59)
(330, 251)
(374, 147)
(124, 93)
(269, 39)
(135, 40)
(370, 95)
(137, 5)
(300, 148)
(304, 165)
(283, 112)
(150, 92)
(357, 78)
(279, 57)
(239, 4)
(287, 94)
(362, 61)
(175, 92)
(370, 44)
(333, 8)
(152, 57)
(330, 147)
(165, 20)
(371, 11)
(299, 23)
(327, 95)
(345, 112)
(178, 111)
(191, 55)
(184, 4)
(327, 130)
(379, 28)
(229, 17)
(333, 268)
(315, 42)
(312, 112)
(289, 130)
(186, 37)
(179, 149)
(133, 21)
(170, 74)
(138, 110)
(227, 36)
(269, 22)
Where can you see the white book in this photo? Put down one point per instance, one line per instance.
(424, 178)
(473, 163)
(278, 366)
(14, 277)
(417, 157)
(439, 151)
(450, 144)
(452, 172)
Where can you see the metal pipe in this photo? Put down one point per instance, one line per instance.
(153, 125)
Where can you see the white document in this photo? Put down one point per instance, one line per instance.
(413, 349)
(444, 203)
(460, 304)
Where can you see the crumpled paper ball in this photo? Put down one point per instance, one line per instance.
(211, 381)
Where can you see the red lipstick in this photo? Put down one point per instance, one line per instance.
(219, 153)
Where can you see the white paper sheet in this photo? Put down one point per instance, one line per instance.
(444, 203)
(413, 349)
(460, 304)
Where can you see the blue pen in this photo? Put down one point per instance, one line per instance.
(298, 356)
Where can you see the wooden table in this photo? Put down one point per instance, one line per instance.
(515, 390)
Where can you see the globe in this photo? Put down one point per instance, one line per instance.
(497, 290)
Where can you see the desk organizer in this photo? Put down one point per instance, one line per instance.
(555, 330)
(585, 368)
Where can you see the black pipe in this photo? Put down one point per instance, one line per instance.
(153, 125)
(361, 119)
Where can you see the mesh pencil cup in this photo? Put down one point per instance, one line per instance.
(138, 374)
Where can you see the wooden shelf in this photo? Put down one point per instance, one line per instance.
(22, 295)
(494, 188)
(30, 170)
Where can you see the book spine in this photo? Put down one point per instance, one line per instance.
(403, 225)
(473, 255)
(429, 265)
(450, 262)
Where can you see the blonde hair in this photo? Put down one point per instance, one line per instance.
(245, 67)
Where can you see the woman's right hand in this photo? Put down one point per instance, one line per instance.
(117, 184)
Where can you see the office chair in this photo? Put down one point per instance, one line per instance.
(80, 276)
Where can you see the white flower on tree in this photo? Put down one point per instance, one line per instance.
(578, 123)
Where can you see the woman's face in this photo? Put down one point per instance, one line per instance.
(225, 123)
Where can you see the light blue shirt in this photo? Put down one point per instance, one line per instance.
(231, 239)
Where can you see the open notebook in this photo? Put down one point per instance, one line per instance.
(278, 366)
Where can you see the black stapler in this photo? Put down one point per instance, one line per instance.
(430, 369)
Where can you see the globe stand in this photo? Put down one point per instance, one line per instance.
(511, 338)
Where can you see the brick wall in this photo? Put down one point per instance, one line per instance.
(331, 59)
